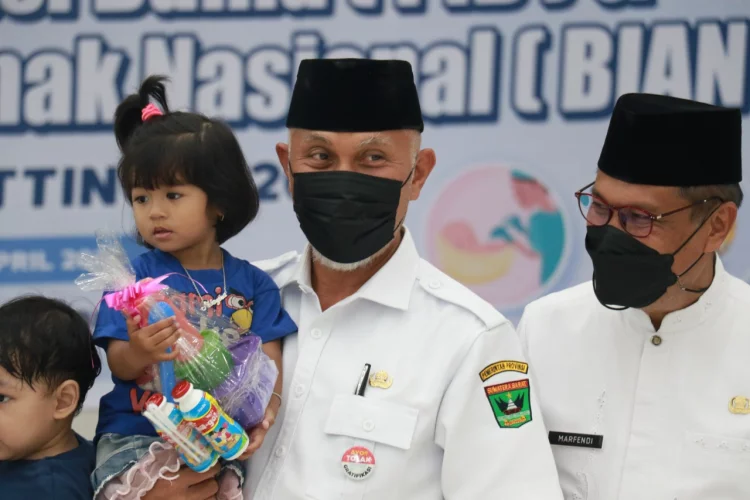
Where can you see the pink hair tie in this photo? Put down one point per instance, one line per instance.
(149, 112)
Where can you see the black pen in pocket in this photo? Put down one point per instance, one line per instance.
(359, 390)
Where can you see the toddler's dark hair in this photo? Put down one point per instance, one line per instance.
(184, 148)
(43, 339)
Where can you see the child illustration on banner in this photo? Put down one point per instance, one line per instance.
(543, 233)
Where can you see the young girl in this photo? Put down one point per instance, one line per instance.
(191, 190)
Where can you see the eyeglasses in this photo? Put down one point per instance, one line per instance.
(635, 221)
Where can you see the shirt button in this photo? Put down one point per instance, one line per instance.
(435, 284)
(280, 451)
(368, 425)
(299, 390)
(656, 340)
(316, 333)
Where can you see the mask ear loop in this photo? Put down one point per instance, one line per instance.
(401, 222)
(678, 276)
(409, 176)
(692, 290)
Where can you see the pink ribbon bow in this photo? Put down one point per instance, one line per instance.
(149, 112)
(129, 297)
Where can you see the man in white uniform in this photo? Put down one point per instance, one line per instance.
(643, 374)
(401, 383)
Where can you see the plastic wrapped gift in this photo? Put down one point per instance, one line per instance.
(212, 356)
(246, 393)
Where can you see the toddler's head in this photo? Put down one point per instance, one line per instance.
(47, 365)
(183, 173)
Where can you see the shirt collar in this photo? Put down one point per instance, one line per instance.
(692, 315)
(391, 286)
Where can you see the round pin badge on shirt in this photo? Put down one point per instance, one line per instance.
(358, 463)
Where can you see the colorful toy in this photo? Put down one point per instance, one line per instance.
(223, 433)
(213, 354)
(159, 311)
(171, 426)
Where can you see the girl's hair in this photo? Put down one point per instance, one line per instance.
(184, 148)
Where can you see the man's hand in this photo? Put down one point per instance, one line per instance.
(190, 485)
(258, 433)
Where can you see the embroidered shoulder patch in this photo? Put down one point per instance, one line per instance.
(511, 403)
(503, 366)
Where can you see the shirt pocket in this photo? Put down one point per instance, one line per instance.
(385, 428)
(713, 466)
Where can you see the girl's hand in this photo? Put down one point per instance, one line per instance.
(151, 342)
(258, 433)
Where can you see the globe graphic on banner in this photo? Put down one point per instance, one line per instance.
(500, 232)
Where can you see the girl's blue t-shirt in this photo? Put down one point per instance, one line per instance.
(253, 303)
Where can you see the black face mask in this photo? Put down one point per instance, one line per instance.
(627, 272)
(347, 216)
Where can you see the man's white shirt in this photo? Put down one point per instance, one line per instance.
(659, 400)
(431, 419)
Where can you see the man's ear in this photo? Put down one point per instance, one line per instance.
(66, 396)
(426, 160)
(721, 224)
(282, 152)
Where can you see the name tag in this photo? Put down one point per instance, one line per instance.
(577, 440)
